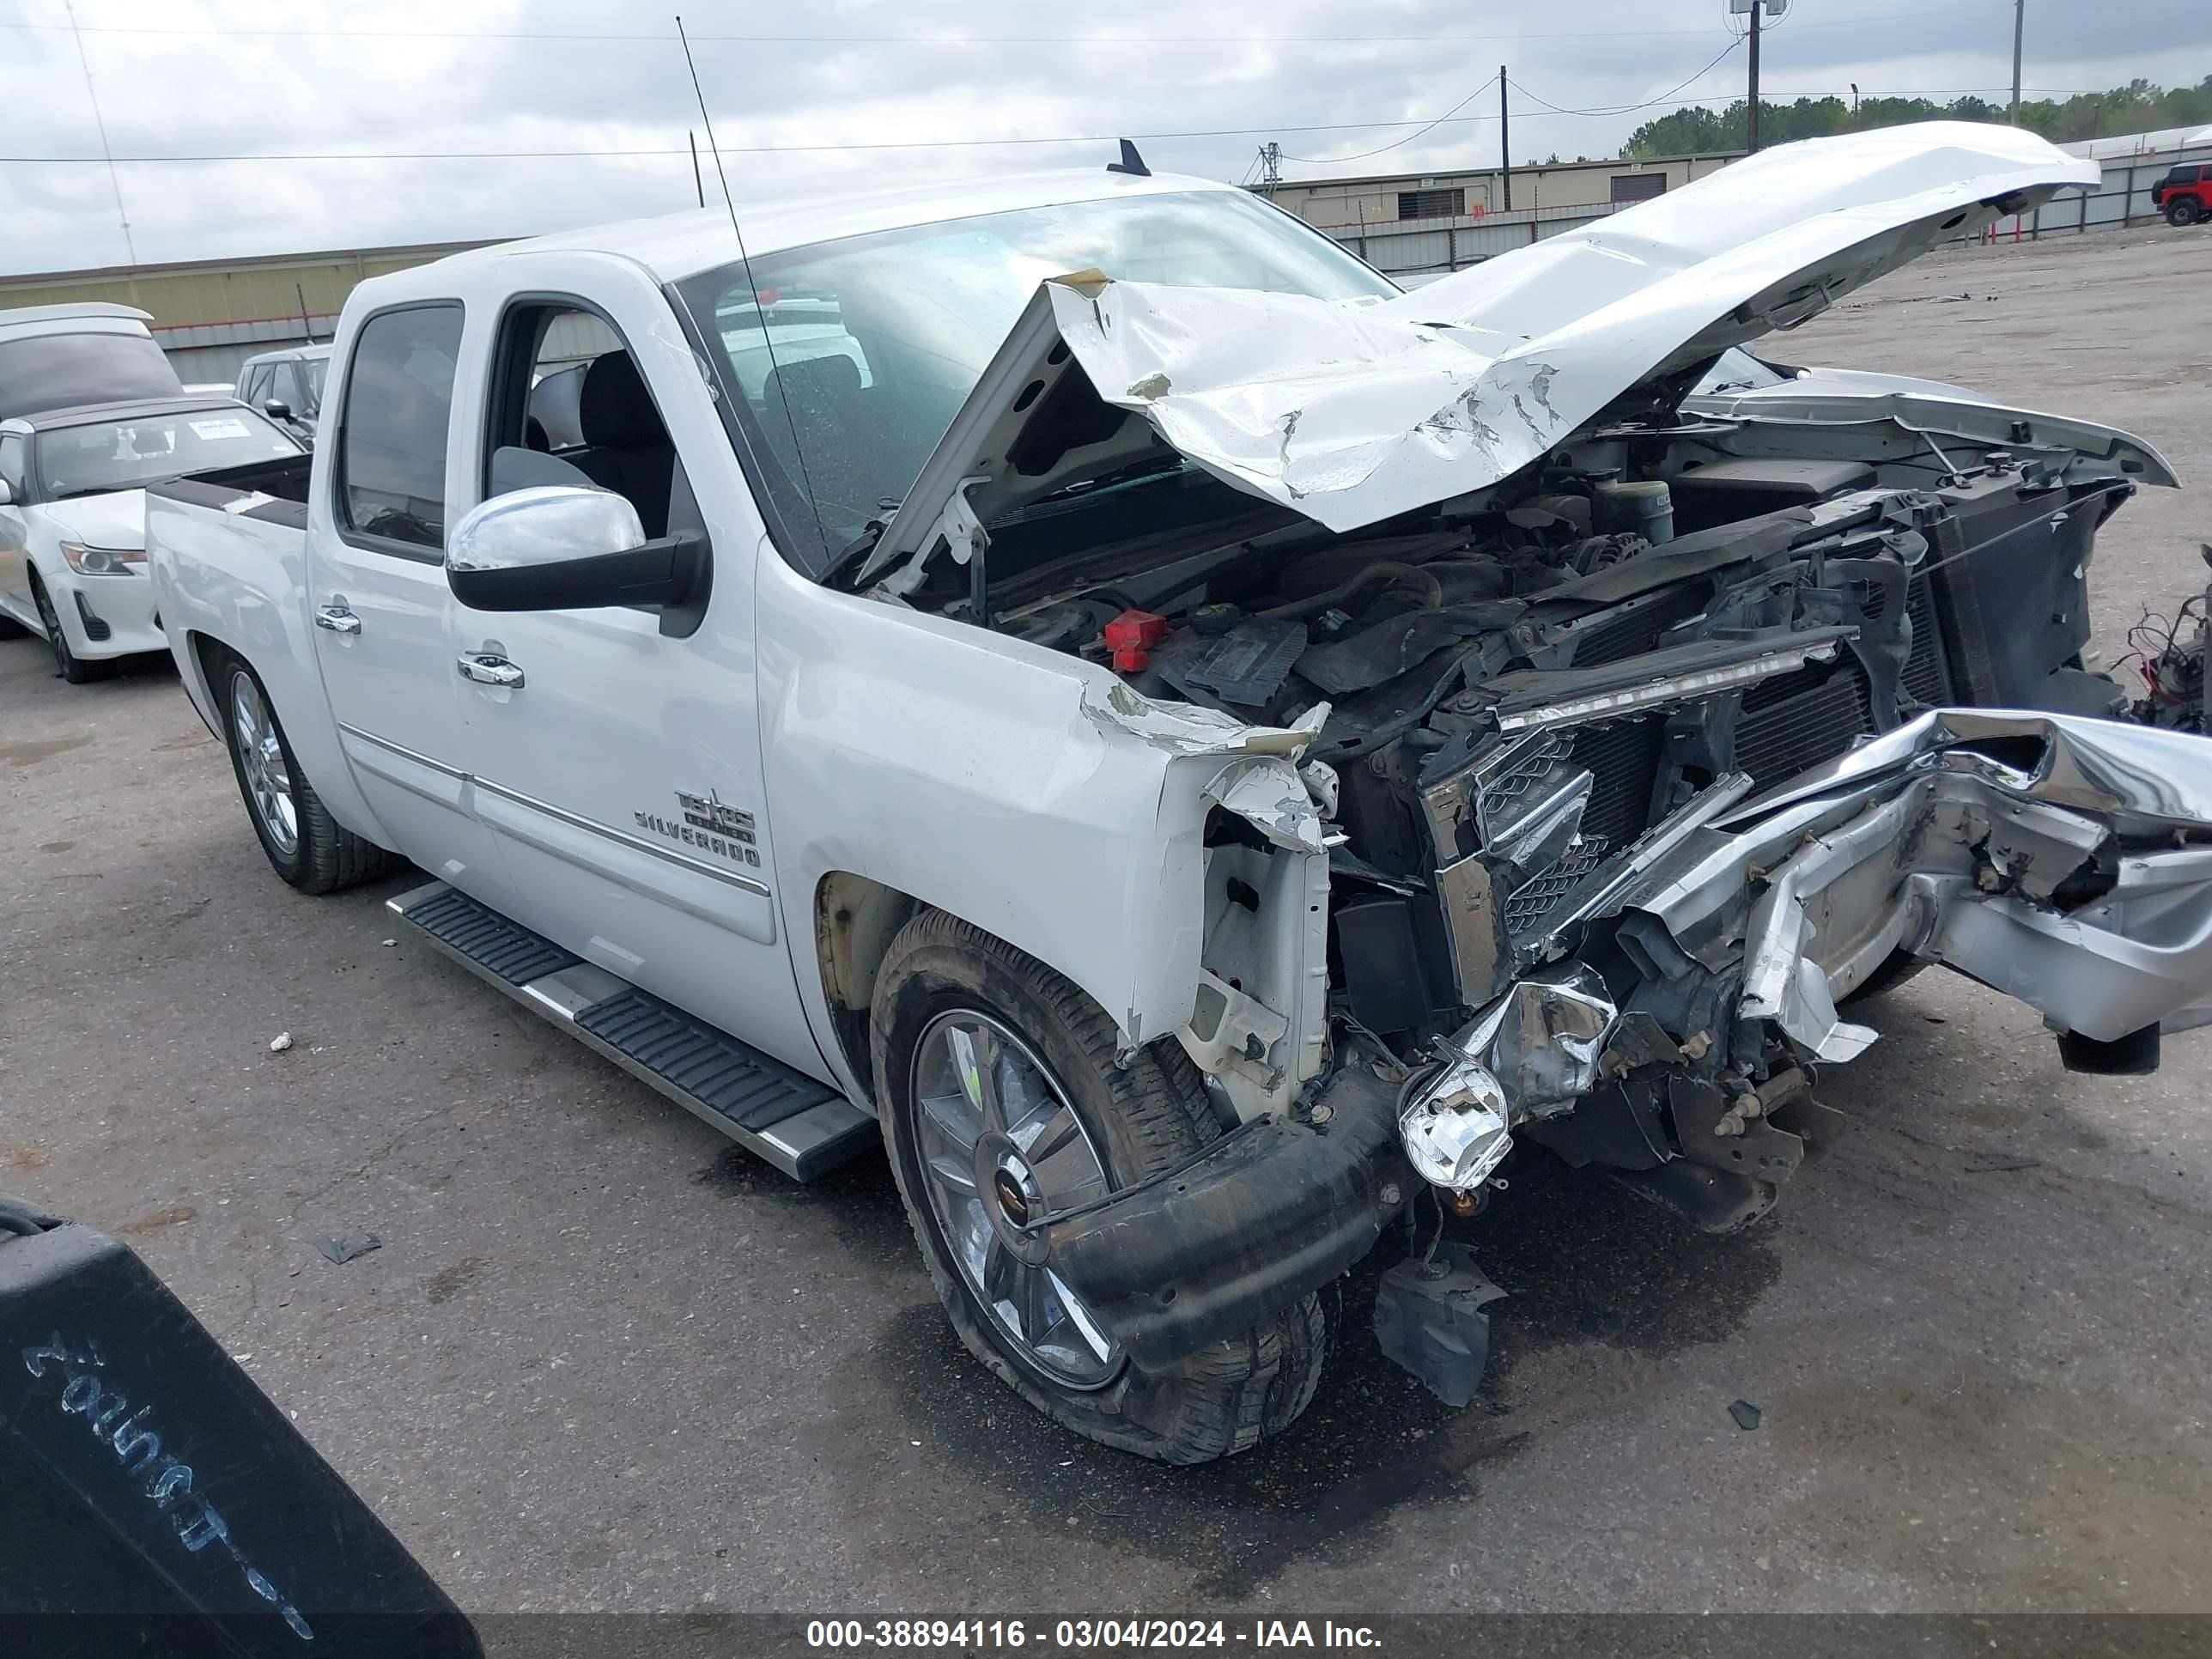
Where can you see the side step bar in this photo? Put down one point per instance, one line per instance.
(801, 1126)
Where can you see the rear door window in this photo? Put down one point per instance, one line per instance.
(391, 435)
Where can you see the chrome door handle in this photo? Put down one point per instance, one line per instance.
(336, 618)
(487, 670)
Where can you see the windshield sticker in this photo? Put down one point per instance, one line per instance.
(229, 427)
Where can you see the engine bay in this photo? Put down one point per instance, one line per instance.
(1520, 684)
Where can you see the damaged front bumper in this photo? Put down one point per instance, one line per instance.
(1275, 1209)
(2063, 860)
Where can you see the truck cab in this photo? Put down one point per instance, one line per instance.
(1079, 678)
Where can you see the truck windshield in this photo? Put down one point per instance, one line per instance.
(128, 454)
(847, 360)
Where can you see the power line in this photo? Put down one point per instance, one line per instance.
(1313, 160)
(205, 31)
(1624, 109)
(1629, 109)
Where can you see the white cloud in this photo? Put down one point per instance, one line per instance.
(395, 80)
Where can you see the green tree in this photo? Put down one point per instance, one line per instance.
(2139, 107)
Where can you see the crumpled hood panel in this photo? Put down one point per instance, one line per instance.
(1350, 414)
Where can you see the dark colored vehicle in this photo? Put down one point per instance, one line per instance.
(2184, 195)
(67, 356)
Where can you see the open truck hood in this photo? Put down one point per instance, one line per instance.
(1837, 397)
(1352, 412)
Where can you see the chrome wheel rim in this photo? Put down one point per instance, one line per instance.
(261, 759)
(1000, 1146)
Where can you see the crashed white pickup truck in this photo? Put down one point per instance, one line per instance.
(1202, 750)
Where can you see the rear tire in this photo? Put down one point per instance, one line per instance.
(305, 845)
(943, 975)
(70, 666)
(2181, 213)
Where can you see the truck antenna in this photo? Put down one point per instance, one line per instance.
(760, 305)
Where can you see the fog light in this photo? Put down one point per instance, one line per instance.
(1453, 1130)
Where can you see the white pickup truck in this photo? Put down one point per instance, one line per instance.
(1199, 751)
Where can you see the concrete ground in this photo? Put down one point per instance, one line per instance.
(602, 1360)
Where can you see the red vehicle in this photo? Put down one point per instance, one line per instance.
(2184, 195)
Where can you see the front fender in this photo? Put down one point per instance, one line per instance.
(961, 770)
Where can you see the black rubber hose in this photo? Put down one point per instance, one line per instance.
(1344, 590)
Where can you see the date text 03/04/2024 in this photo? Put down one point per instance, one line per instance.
(1087, 1634)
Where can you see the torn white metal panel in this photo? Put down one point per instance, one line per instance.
(1183, 728)
(1268, 793)
(1351, 413)
(1265, 951)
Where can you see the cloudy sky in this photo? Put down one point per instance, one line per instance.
(369, 122)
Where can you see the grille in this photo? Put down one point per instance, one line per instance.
(1538, 896)
(1623, 759)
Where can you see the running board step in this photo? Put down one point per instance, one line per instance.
(801, 1126)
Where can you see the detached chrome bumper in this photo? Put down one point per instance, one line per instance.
(2064, 860)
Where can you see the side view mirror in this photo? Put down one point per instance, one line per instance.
(278, 410)
(7, 495)
(558, 547)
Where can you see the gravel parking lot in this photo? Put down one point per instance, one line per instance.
(604, 1360)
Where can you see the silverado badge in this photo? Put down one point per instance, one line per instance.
(708, 824)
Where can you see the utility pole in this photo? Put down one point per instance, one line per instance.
(1751, 113)
(1504, 142)
(2018, 30)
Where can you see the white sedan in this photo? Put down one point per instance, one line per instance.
(73, 515)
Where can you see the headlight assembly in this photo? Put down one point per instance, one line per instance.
(104, 561)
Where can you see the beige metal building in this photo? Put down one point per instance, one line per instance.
(211, 315)
(1474, 193)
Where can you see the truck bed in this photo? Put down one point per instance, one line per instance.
(283, 482)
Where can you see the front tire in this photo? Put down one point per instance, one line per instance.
(999, 1092)
(305, 845)
(70, 666)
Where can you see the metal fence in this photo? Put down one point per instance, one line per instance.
(1414, 246)
(1421, 247)
(2122, 200)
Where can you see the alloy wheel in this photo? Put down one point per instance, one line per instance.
(999, 1148)
(261, 759)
